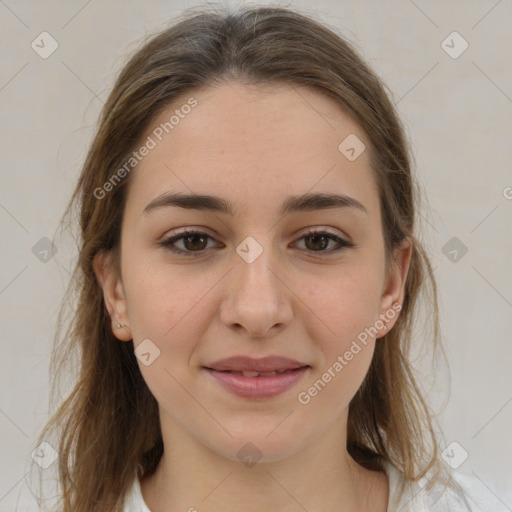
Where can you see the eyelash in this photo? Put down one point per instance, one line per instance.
(167, 243)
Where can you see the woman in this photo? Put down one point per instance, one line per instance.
(248, 281)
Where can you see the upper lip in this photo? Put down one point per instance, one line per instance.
(264, 364)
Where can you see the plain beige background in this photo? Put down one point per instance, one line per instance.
(457, 108)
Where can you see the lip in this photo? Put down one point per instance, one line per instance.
(265, 364)
(262, 386)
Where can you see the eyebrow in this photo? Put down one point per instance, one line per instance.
(303, 203)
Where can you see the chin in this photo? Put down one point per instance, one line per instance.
(259, 447)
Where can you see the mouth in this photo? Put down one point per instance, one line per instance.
(258, 385)
(249, 373)
(244, 363)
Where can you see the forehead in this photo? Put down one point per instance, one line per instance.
(254, 143)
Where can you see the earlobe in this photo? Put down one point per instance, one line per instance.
(109, 279)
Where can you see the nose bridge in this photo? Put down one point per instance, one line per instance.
(257, 299)
(254, 271)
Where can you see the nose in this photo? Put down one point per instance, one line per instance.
(257, 298)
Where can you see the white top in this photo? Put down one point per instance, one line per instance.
(414, 499)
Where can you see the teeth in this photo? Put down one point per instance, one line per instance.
(250, 374)
(260, 374)
(257, 374)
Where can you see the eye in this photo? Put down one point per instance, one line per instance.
(194, 241)
(319, 240)
(197, 241)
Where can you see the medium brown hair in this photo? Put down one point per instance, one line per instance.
(108, 426)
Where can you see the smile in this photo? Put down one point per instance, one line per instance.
(257, 385)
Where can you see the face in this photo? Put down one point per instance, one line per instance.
(308, 284)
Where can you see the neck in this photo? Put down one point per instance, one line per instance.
(321, 476)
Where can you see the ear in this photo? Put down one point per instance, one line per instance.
(393, 292)
(109, 278)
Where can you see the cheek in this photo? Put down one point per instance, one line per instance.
(342, 322)
(172, 307)
(346, 342)
(330, 391)
(344, 304)
(162, 300)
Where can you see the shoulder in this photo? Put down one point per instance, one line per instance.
(134, 501)
(416, 497)
(475, 496)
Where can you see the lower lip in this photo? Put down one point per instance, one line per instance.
(258, 387)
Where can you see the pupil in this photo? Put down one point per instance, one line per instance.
(316, 238)
(193, 237)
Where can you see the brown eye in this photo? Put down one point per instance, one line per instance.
(318, 241)
(193, 242)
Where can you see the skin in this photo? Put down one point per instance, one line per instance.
(254, 146)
